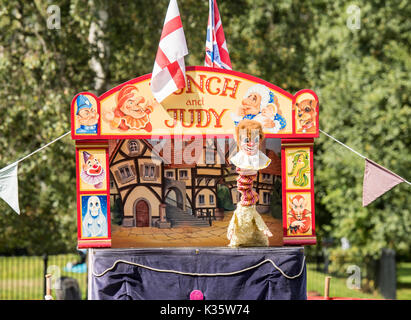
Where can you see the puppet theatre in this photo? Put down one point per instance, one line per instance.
(156, 187)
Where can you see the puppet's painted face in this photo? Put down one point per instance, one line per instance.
(252, 103)
(249, 144)
(87, 117)
(93, 166)
(134, 106)
(94, 206)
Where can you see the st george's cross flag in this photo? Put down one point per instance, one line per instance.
(169, 68)
(217, 55)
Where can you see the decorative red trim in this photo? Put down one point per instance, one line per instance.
(93, 242)
(297, 239)
(74, 135)
(293, 240)
(283, 183)
(79, 218)
(108, 212)
(312, 190)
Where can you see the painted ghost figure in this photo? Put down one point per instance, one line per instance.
(94, 222)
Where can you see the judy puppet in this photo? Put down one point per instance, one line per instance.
(246, 227)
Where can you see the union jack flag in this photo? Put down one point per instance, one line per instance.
(217, 55)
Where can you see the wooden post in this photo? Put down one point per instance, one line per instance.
(48, 295)
(327, 288)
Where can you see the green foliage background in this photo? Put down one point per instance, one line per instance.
(361, 77)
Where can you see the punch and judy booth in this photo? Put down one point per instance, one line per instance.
(156, 190)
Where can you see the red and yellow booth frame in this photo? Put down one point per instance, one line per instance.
(221, 91)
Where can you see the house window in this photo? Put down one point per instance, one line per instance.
(183, 174)
(149, 171)
(266, 197)
(211, 198)
(201, 199)
(125, 174)
(209, 156)
(266, 177)
(170, 174)
(133, 146)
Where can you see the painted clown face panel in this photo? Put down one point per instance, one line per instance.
(92, 169)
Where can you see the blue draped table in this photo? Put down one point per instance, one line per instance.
(149, 274)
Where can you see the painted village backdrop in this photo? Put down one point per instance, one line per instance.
(180, 204)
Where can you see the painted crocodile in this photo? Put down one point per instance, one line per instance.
(300, 169)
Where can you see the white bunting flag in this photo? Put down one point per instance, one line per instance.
(9, 190)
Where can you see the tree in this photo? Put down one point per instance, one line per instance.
(362, 78)
(40, 70)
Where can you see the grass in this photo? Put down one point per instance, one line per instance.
(22, 278)
(338, 286)
(404, 281)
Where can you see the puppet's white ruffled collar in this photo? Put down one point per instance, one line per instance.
(256, 162)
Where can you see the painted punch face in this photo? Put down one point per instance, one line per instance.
(94, 206)
(134, 106)
(252, 103)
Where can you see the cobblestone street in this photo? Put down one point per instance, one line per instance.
(214, 236)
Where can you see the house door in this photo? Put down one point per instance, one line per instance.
(142, 214)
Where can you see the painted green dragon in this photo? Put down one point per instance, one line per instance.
(301, 168)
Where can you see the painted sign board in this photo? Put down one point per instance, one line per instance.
(211, 103)
(160, 171)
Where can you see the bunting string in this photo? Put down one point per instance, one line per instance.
(43, 147)
(357, 153)
(377, 179)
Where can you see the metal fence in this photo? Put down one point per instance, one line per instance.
(23, 277)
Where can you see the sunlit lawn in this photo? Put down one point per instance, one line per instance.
(338, 286)
(22, 278)
(404, 281)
